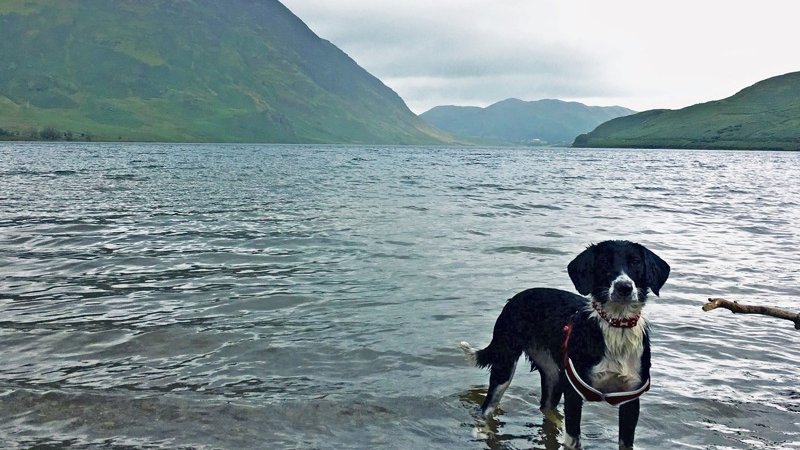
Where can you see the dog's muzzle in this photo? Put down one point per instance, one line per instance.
(623, 290)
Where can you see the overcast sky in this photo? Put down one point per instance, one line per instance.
(642, 54)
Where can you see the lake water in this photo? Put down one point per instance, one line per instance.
(254, 296)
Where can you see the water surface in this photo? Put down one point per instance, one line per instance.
(247, 296)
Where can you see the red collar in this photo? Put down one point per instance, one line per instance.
(627, 322)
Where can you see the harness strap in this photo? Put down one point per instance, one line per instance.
(585, 390)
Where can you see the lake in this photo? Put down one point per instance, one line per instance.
(263, 296)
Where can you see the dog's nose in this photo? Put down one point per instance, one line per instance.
(623, 288)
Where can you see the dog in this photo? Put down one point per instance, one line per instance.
(594, 346)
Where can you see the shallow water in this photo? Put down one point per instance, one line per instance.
(229, 296)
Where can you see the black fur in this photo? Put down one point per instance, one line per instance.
(532, 322)
(537, 314)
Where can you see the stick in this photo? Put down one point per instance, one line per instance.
(736, 308)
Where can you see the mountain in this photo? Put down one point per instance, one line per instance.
(520, 122)
(187, 70)
(765, 116)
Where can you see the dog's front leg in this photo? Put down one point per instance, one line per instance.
(573, 405)
(628, 418)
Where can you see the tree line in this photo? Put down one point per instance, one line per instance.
(44, 134)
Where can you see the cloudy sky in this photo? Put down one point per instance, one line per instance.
(641, 54)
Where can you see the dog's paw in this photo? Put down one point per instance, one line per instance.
(572, 443)
(469, 352)
(553, 416)
(484, 429)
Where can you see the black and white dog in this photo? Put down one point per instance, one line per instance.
(594, 347)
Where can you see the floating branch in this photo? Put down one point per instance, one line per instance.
(736, 308)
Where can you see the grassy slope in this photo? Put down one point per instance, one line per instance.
(763, 116)
(518, 121)
(190, 70)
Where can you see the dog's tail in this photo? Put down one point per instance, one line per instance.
(507, 343)
(475, 357)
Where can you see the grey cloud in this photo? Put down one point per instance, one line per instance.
(637, 54)
(430, 56)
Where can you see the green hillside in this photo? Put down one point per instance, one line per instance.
(763, 116)
(514, 121)
(188, 70)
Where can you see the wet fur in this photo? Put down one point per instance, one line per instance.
(617, 275)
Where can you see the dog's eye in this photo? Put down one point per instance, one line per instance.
(635, 260)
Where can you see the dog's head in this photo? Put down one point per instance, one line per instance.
(618, 271)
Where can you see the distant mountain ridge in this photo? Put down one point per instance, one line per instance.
(190, 70)
(764, 116)
(516, 121)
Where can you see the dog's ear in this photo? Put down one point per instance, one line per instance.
(581, 269)
(656, 270)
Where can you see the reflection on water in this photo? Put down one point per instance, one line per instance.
(229, 296)
(497, 434)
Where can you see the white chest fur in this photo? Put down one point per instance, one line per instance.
(619, 369)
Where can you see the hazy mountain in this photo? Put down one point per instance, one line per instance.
(188, 70)
(763, 116)
(520, 122)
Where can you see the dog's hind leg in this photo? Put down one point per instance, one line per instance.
(501, 363)
(550, 375)
(500, 356)
(499, 379)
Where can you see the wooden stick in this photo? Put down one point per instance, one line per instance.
(736, 308)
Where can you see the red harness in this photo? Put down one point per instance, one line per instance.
(585, 390)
